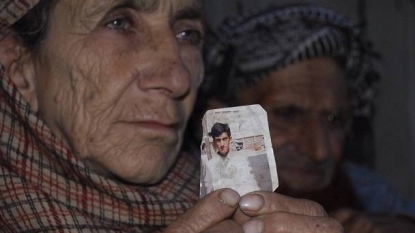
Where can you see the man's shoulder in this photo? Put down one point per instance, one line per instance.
(377, 195)
(360, 173)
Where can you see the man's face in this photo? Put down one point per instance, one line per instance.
(117, 80)
(222, 143)
(308, 113)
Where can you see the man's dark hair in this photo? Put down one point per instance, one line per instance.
(33, 27)
(218, 129)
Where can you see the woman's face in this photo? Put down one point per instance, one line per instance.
(117, 79)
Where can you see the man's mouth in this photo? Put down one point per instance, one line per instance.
(305, 172)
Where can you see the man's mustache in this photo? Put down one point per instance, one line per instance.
(288, 156)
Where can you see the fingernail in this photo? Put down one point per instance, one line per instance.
(253, 226)
(251, 202)
(229, 197)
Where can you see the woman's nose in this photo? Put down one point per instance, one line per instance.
(169, 76)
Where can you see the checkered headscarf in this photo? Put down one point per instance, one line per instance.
(246, 48)
(45, 188)
(11, 11)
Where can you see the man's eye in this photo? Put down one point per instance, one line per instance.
(288, 112)
(118, 24)
(192, 36)
(336, 121)
(333, 117)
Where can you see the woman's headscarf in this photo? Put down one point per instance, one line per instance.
(44, 187)
(11, 11)
(246, 48)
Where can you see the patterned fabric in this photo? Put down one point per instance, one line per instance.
(11, 11)
(245, 49)
(45, 188)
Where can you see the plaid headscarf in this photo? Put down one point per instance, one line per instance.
(11, 11)
(244, 49)
(44, 187)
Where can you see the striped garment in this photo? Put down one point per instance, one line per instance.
(246, 48)
(13, 10)
(45, 188)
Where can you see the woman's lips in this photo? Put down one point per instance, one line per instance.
(153, 128)
(155, 125)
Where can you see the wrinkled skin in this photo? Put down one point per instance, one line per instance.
(258, 212)
(308, 113)
(117, 82)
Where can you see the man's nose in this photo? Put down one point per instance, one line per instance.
(222, 143)
(315, 141)
(168, 73)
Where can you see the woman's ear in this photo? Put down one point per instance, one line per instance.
(19, 66)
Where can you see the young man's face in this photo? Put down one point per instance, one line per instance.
(117, 79)
(222, 143)
(308, 113)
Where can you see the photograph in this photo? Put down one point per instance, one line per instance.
(236, 151)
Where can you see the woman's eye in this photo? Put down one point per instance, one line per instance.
(192, 36)
(118, 24)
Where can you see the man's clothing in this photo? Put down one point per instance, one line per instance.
(233, 171)
(224, 166)
(355, 187)
(44, 187)
(376, 195)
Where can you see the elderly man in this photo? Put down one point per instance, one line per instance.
(309, 68)
(94, 99)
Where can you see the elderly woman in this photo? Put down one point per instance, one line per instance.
(94, 99)
(310, 69)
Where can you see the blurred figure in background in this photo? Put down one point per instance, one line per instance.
(310, 69)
